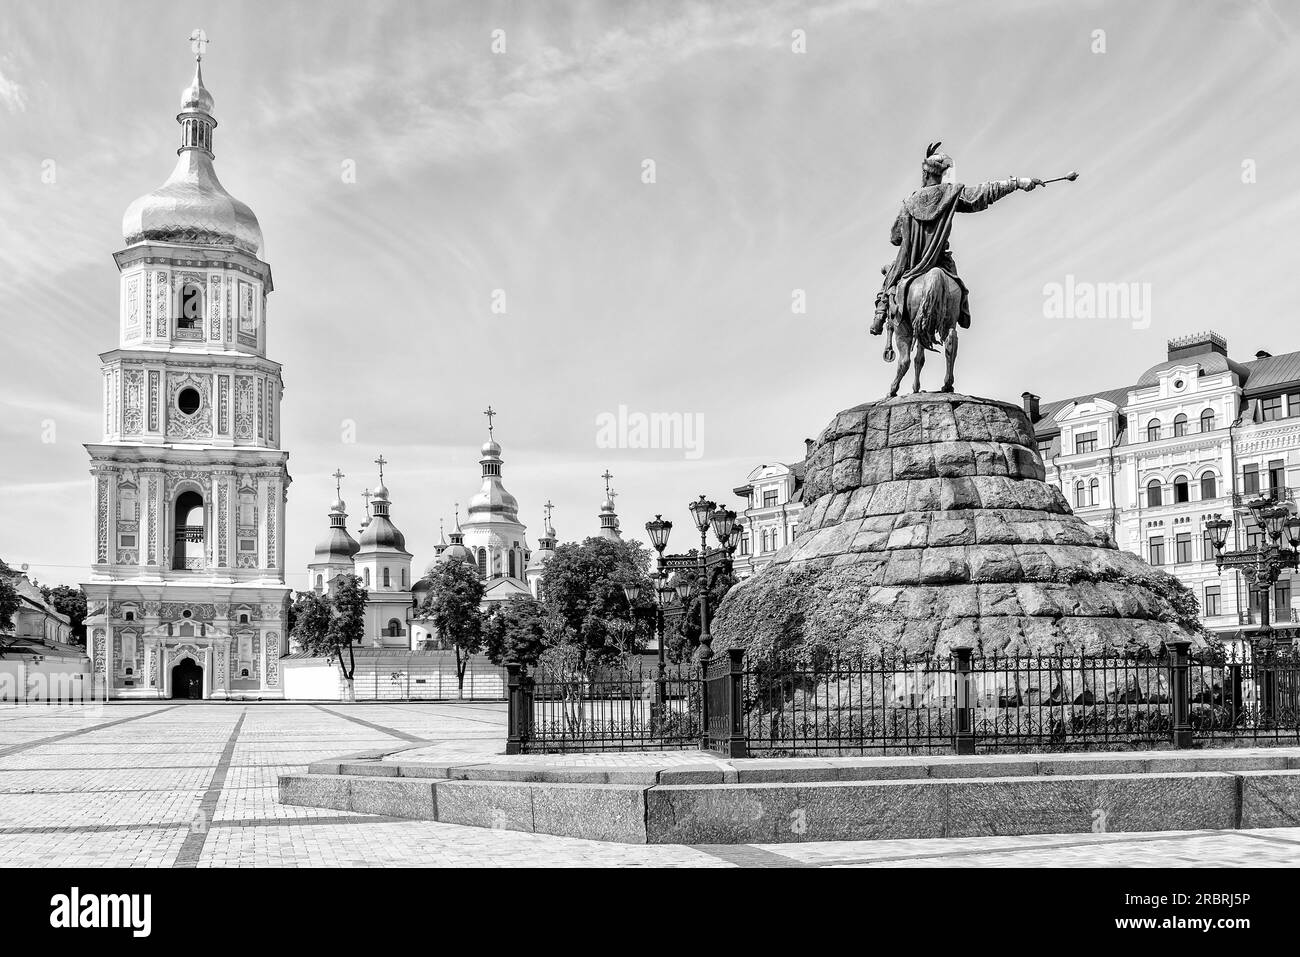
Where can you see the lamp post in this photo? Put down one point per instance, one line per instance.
(702, 510)
(1261, 566)
(658, 529)
(691, 576)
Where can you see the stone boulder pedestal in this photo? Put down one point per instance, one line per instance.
(928, 525)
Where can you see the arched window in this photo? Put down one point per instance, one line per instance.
(243, 619)
(1094, 491)
(365, 575)
(188, 551)
(1079, 500)
(511, 562)
(320, 582)
(1207, 420)
(394, 628)
(1209, 487)
(1153, 430)
(403, 577)
(1182, 489)
(1153, 493)
(191, 312)
(1180, 424)
(482, 562)
(386, 582)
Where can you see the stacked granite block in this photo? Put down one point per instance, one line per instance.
(928, 524)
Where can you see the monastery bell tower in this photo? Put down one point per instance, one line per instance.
(187, 595)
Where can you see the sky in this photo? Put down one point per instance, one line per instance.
(777, 175)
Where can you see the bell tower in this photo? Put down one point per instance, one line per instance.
(189, 482)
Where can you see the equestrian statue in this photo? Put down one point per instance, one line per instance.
(923, 301)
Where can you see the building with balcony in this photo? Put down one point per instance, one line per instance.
(1148, 462)
(769, 513)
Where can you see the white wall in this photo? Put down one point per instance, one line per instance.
(23, 680)
(311, 679)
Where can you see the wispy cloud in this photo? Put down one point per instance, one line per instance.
(520, 172)
(12, 94)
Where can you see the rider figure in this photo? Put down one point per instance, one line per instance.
(921, 231)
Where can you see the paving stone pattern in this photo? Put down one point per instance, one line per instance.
(167, 785)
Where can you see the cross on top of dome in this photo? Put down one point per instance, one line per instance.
(199, 42)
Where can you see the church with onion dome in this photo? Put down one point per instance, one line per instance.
(186, 594)
(493, 533)
(488, 538)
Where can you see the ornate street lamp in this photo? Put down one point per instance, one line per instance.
(1217, 527)
(665, 594)
(702, 512)
(737, 533)
(1272, 519)
(1261, 566)
(658, 530)
(632, 592)
(723, 521)
(706, 515)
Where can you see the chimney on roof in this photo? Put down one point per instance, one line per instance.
(807, 449)
(1031, 405)
(1261, 354)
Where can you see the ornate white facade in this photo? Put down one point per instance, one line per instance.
(187, 594)
(493, 533)
(769, 516)
(1150, 461)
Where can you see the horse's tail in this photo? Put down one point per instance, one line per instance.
(935, 311)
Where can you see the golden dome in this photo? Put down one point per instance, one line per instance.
(196, 97)
(192, 207)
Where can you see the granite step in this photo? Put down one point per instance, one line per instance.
(820, 810)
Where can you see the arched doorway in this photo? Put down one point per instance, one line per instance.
(187, 680)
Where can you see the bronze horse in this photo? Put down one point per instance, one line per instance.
(933, 305)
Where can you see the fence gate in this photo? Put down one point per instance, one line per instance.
(724, 728)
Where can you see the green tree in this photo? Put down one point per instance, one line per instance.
(324, 625)
(69, 601)
(454, 606)
(516, 630)
(583, 587)
(9, 603)
(348, 623)
(310, 615)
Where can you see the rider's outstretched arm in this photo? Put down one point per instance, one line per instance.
(982, 195)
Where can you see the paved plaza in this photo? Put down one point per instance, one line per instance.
(168, 784)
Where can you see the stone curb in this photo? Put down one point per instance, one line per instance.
(809, 770)
(715, 812)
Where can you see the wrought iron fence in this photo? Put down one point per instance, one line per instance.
(848, 707)
(628, 707)
(1241, 695)
(925, 705)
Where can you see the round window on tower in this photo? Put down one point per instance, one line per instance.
(189, 401)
